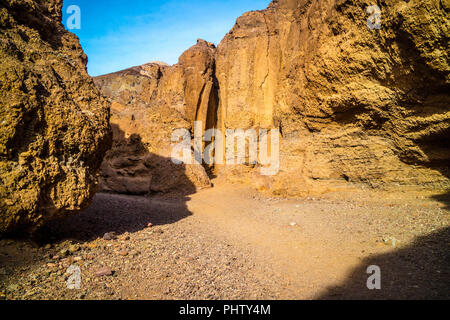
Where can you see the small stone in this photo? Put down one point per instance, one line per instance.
(64, 252)
(104, 272)
(293, 224)
(67, 261)
(12, 287)
(123, 253)
(394, 242)
(391, 241)
(74, 248)
(149, 225)
(110, 236)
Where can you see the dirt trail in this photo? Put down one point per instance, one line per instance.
(276, 241)
(311, 245)
(230, 242)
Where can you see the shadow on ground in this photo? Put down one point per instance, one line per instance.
(419, 271)
(115, 213)
(444, 198)
(135, 183)
(148, 181)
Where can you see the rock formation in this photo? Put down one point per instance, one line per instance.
(354, 103)
(54, 124)
(149, 102)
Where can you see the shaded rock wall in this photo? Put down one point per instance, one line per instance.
(54, 124)
(149, 102)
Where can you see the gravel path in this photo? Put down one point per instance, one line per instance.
(232, 243)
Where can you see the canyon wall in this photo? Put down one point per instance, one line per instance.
(353, 104)
(54, 124)
(148, 103)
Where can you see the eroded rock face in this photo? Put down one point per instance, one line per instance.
(353, 104)
(149, 102)
(54, 124)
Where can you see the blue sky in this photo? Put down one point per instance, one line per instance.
(118, 34)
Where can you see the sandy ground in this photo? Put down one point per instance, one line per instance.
(230, 242)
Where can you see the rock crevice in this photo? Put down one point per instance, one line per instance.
(149, 102)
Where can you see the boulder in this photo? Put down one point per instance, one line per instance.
(54, 124)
